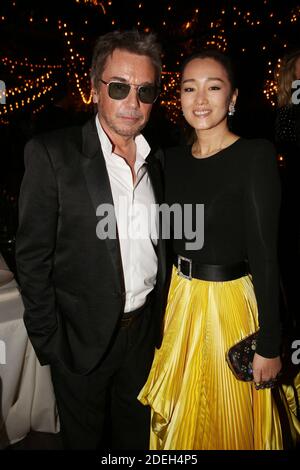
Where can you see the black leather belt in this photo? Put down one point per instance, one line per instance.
(129, 317)
(190, 269)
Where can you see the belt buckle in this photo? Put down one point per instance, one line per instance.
(179, 272)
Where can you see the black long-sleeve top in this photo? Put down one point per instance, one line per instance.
(240, 189)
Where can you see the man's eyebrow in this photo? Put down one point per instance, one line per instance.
(120, 79)
(123, 80)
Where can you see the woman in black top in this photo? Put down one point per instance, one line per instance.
(213, 302)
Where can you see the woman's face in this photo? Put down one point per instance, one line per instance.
(206, 94)
(297, 68)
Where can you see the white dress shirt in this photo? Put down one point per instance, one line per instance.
(135, 211)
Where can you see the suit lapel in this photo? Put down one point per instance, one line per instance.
(155, 175)
(97, 180)
(155, 178)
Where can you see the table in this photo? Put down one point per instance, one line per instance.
(26, 391)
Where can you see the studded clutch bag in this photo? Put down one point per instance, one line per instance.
(240, 357)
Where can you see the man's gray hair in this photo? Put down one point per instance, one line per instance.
(132, 41)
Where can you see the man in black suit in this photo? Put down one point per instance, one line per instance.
(93, 285)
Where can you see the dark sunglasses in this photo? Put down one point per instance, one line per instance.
(119, 91)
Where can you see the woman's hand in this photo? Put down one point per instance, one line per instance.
(265, 369)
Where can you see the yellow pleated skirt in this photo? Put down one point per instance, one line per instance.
(196, 402)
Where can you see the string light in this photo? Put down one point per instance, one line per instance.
(25, 63)
(27, 88)
(271, 83)
(38, 109)
(75, 65)
(169, 97)
(29, 84)
(218, 41)
(295, 15)
(17, 105)
(95, 3)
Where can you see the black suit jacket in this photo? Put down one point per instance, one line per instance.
(71, 281)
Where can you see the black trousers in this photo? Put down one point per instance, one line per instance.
(101, 410)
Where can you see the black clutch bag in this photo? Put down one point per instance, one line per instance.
(240, 357)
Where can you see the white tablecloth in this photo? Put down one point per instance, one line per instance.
(26, 392)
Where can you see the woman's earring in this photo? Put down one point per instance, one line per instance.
(231, 109)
